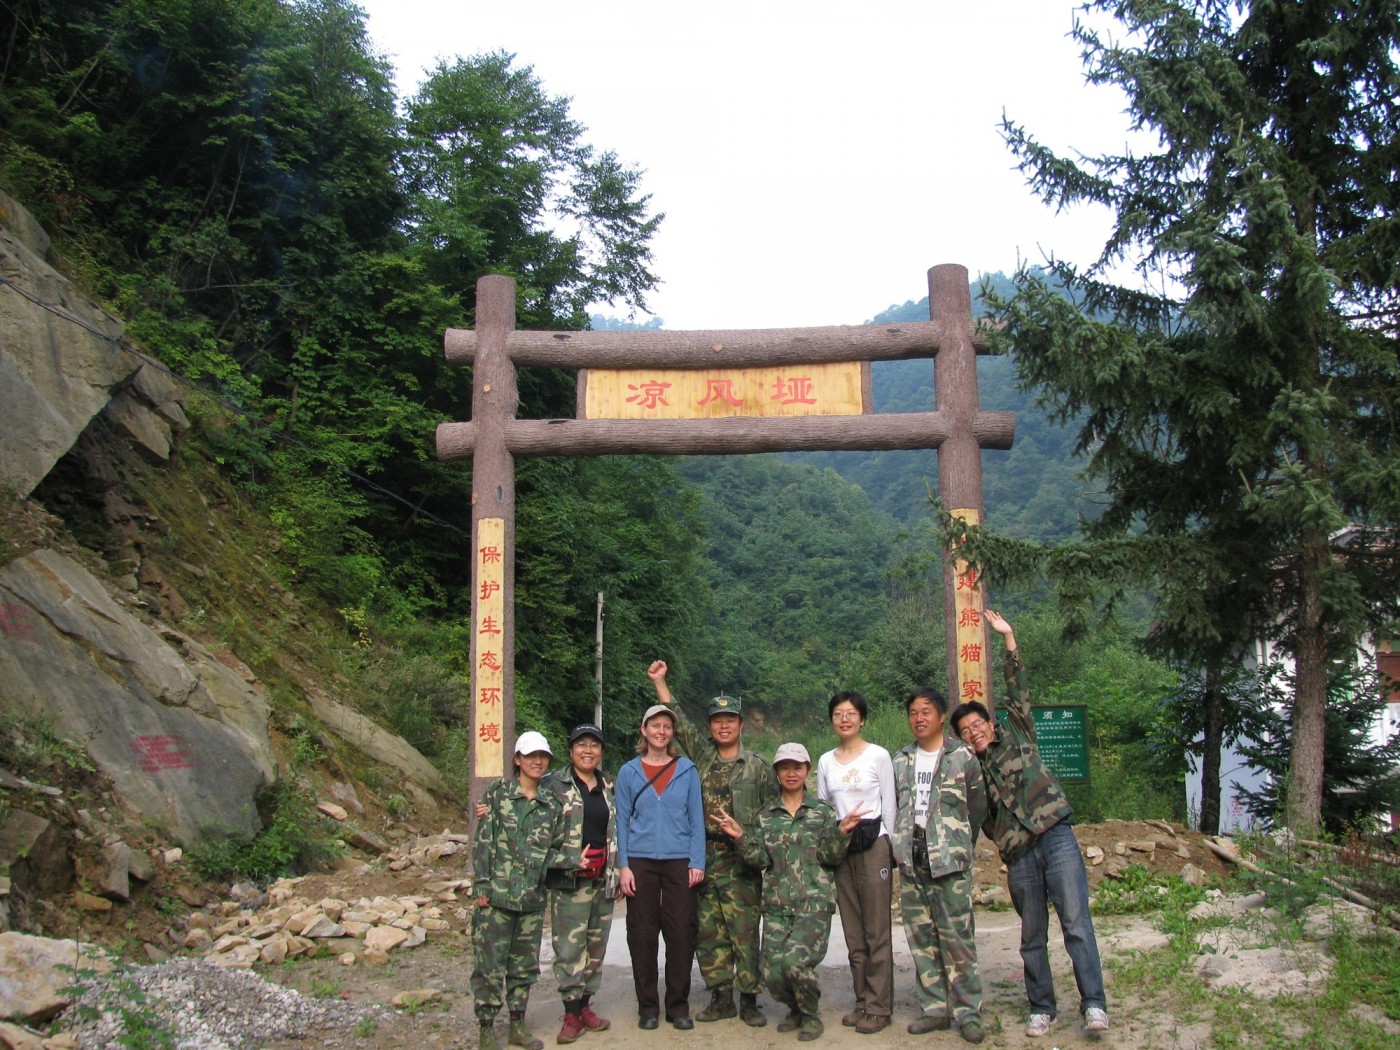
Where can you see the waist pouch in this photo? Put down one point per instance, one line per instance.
(865, 835)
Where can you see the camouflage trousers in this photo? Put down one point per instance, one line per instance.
(507, 948)
(939, 926)
(793, 947)
(579, 921)
(727, 917)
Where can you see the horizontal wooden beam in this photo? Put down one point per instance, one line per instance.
(718, 437)
(738, 348)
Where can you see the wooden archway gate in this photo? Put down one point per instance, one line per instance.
(958, 428)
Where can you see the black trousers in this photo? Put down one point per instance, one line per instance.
(664, 904)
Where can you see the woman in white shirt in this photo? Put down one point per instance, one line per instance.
(858, 775)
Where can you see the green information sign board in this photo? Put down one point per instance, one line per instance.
(1062, 734)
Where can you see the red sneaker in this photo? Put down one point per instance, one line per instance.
(593, 1022)
(572, 1031)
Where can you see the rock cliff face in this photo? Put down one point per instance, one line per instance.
(63, 361)
(181, 731)
(183, 737)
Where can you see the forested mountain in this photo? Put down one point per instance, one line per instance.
(1031, 492)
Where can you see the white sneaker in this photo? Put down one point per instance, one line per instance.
(1096, 1019)
(1038, 1024)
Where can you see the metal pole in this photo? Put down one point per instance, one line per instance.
(598, 667)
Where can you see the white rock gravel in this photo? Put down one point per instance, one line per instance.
(202, 1006)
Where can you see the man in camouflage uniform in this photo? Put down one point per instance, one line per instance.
(940, 802)
(516, 839)
(796, 841)
(1029, 820)
(728, 911)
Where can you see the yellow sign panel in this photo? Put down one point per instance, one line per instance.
(974, 670)
(489, 609)
(655, 393)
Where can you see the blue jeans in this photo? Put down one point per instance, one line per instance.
(1053, 871)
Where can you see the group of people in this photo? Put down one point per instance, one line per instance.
(733, 862)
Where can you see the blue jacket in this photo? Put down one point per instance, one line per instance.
(668, 827)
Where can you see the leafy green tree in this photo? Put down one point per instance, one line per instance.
(796, 563)
(1245, 412)
(500, 181)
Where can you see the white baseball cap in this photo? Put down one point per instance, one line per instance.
(530, 742)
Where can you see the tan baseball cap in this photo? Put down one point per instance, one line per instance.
(791, 752)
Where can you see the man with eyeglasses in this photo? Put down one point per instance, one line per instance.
(1029, 820)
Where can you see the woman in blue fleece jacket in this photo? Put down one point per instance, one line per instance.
(661, 859)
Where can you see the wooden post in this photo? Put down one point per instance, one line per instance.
(495, 398)
(959, 479)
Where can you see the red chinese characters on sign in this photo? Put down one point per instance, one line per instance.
(720, 390)
(968, 624)
(648, 395)
(489, 646)
(793, 390)
(160, 752)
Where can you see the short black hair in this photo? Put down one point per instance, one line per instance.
(848, 696)
(925, 692)
(971, 707)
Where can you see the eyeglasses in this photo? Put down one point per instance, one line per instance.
(970, 725)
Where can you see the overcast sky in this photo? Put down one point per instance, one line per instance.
(813, 158)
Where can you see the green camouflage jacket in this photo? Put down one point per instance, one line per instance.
(797, 854)
(514, 845)
(566, 860)
(1026, 798)
(957, 808)
(751, 782)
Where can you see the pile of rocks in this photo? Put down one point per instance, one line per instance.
(281, 924)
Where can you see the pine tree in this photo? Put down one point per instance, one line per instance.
(1245, 411)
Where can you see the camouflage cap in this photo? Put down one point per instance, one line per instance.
(726, 705)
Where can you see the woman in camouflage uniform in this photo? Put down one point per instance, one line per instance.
(582, 881)
(796, 841)
(515, 842)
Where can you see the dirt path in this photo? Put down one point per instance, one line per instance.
(449, 1023)
(444, 964)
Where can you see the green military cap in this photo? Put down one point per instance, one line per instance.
(725, 705)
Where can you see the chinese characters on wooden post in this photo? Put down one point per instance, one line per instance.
(707, 393)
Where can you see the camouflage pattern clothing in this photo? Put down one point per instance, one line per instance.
(936, 886)
(580, 909)
(1026, 798)
(798, 853)
(515, 843)
(728, 909)
(1029, 822)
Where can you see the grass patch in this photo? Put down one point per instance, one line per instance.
(293, 842)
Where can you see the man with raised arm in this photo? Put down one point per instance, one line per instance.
(737, 781)
(1029, 820)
